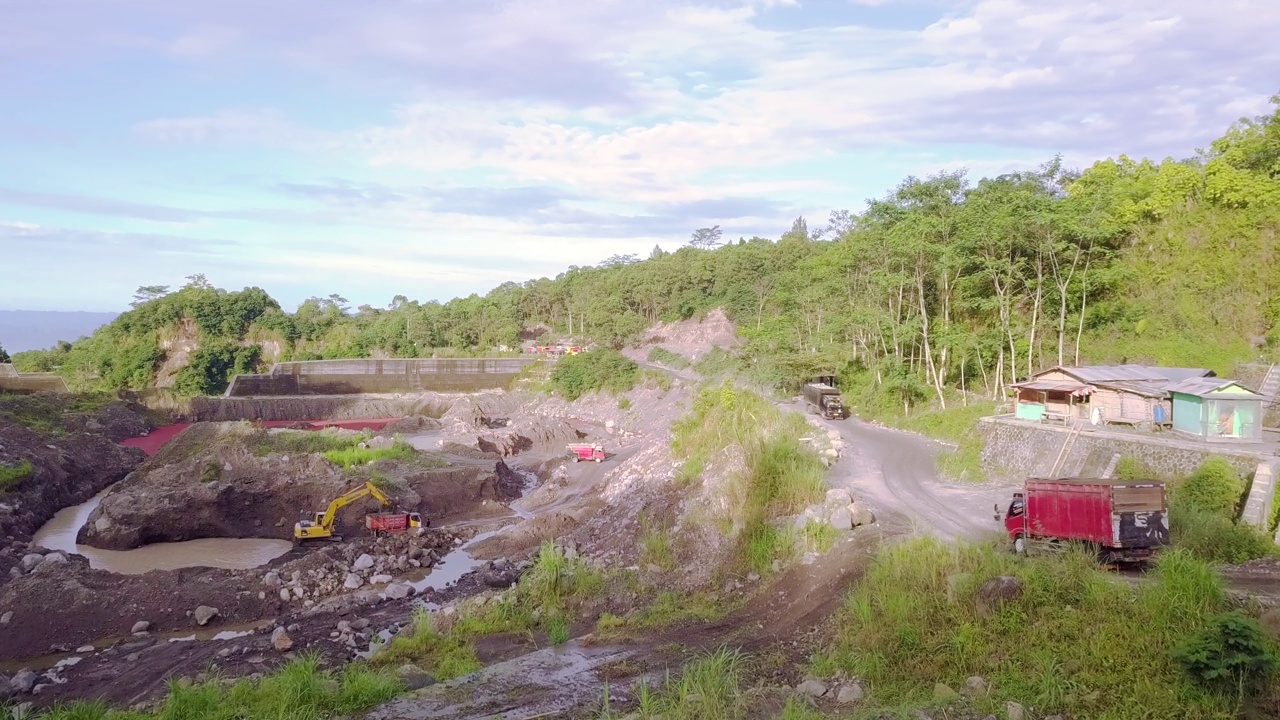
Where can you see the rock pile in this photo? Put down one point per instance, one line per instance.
(30, 559)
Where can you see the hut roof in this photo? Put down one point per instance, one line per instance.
(1203, 387)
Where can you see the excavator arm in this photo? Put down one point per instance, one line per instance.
(349, 497)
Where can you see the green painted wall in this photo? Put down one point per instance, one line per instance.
(1187, 412)
(1029, 411)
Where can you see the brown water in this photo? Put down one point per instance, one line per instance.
(227, 553)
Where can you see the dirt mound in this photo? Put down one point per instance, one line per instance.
(67, 468)
(694, 338)
(411, 425)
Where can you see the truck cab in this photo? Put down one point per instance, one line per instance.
(1015, 521)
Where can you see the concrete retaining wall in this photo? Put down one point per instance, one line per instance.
(373, 376)
(1016, 449)
(13, 381)
(223, 409)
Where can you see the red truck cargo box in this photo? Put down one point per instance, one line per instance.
(387, 522)
(1112, 513)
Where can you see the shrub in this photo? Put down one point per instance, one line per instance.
(1213, 488)
(558, 630)
(1131, 469)
(664, 356)
(601, 369)
(1214, 538)
(1229, 653)
(353, 456)
(624, 403)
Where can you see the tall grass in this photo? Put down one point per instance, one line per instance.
(1077, 640)
(299, 690)
(298, 442)
(706, 688)
(664, 356)
(781, 476)
(1202, 516)
(11, 475)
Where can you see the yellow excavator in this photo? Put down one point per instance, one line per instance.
(322, 526)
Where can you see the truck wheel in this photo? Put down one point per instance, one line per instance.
(577, 459)
(599, 459)
(1020, 545)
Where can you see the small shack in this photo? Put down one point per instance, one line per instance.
(1216, 410)
(1126, 394)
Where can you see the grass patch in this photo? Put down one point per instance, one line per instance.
(212, 472)
(656, 548)
(956, 424)
(301, 442)
(624, 403)
(663, 356)
(299, 690)
(10, 475)
(601, 369)
(718, 362)
(353, 456)
(1202, 517)
(440, 649)
(667, 608)
(708, 688)
(656, 378)
(1077, 640)
(819, 536)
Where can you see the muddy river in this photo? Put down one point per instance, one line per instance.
(228, 553)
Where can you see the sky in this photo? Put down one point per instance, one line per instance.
(436, 148)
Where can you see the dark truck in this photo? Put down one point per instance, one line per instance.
(1122, 520)
(824, 399)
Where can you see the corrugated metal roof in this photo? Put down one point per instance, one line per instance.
(1149, 388)
(1202, 386)
(1077, 388)
(1118, 373)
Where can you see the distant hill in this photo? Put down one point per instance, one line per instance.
(40, 329)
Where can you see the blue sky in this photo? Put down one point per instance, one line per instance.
(436, 148)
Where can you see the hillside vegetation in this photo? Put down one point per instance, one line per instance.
(942, 286)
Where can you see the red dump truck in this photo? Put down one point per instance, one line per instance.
(586, 451)
(391, 523)
(1123, 520)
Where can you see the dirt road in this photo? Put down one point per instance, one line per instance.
(897, 473)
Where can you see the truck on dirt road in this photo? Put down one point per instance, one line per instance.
(321, 525)
(824, 399)
(1120, 520)
(392, 523)
(586, 451)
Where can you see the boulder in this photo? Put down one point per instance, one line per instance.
(24, 682)
(812, 688)
(396, 591)
(85, 649)
(5, 618)
(364, 562)
(862, 515)
(280, 639)
(204, 614)
(359, 624)
(414, 677)
(272, 579)
(1014, 711)
(997, 591)
(841, 519)
(285, 595)
(141, 626)
(975, 686)
(839, 497)
(30, 561)
(850, 693)
(942, 693)
(352, 581)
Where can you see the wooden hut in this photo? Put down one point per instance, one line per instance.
(1126, 394)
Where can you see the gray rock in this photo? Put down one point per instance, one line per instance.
(23, 682)
(1014, 711)
(30, 560)
(364, 562)
(271, 579)
(841, 519)
(14, 572)
(850, 693)
(975, 685)
(141, 626)
(204, 614)
(812, 688)
(352, 581)
(39, 689)
(397, 591)
(838, 497)
(5, 618)
(285, 595)
(862, 516)
(280, 639)
(359, 624)
(85, 649)
(414, 677)
(56, 558)
(382, 579)
(943, 693)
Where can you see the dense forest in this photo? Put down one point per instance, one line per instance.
(942, 288)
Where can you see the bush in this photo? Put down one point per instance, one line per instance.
(1230, 653)
(664, 356)
(1217, 539)
(353, 456)
(601, 369)
(1131, 469)
(1214, 488)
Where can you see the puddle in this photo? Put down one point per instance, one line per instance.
(227, 553)
(426, 442)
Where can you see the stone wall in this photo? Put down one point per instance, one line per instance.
(13, 381)
(1017, 449)
(375, 376)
